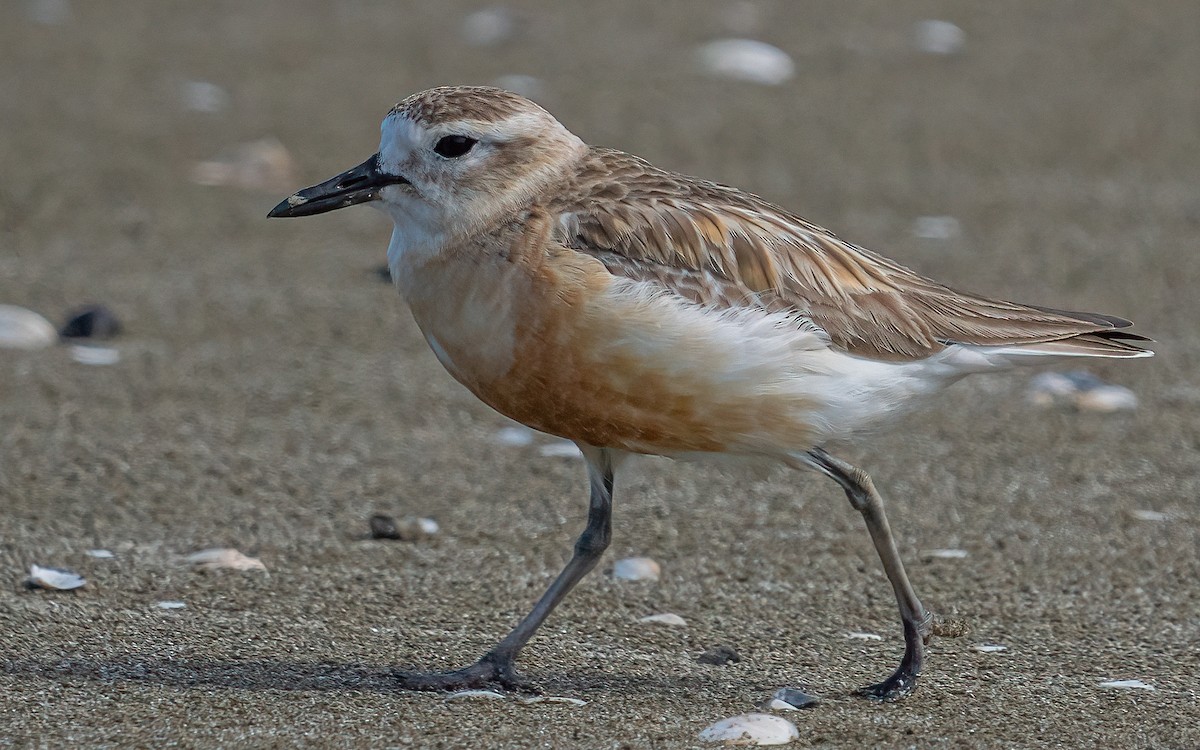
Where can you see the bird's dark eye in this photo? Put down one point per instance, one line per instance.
(453, 146)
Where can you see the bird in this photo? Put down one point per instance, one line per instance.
(588, 294)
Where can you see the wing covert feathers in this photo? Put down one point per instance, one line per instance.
(716, 245)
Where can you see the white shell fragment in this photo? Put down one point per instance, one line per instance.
(751, 729)
(746, 60)
(203, 96)
(489, 27)
(514, 436)
(170, 604)
(101, 554)
(790, 699)
(56, 579)
(1127, 685)
(95, 355)
(465, 695)
(1081, 390)
(990, 648)
(530, 700)
(938, 37)
(667, 618)
(948, 554)
(260, 165)
(25, 329)
(636, 569)
(857, 636)
(936, 227)
(1141, 514)
(560, 449)
(224, 557)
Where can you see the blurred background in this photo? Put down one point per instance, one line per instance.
(269, 392)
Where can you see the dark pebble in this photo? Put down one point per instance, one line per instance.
(384, 527)
(91, 322)
(719, 656)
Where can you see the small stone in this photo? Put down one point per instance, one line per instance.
(751, 729)
(224, 557)
(636, 569)
(1149, 515)
(101, 554)
(54, 579)
(990, 648)
(667, 618)
(746, 60)
(25, 329)
(864, 636)
(407, 529)
(938, 37)
(90, 322)
(1127, 685)
(719, 656)
(170, 604)
(948, 554)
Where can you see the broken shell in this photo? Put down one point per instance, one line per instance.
(474, 695)
(170, 604)
(25, 329)
(1127, 685)
(864, 636)
(95, 355)
(751, 729)
(1080, 389)
(101, 554)
(719, 656)
(407, 529)
(636, 569)
(224, 557)
(1142, 514)
(990, 648)
(746, 60)
(54, 579)
(790, 699)
(529, 700)
(938, 37)
(667, 618)
(947, 554)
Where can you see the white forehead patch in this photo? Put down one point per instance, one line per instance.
(398, 137)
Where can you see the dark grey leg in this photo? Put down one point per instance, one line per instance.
(918, 622)
(497, 665)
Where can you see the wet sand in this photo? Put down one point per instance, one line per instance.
(272, 394)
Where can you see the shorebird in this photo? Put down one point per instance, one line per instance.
(590, 295)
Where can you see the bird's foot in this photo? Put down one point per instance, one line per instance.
(487, 672)
(900, 685)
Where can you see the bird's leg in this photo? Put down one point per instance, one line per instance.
(497, 665)
(918, 622)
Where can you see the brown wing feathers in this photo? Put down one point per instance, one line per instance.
(717, 245)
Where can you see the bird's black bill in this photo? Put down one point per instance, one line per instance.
(359, 185)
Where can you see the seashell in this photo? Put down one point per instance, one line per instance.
(790, 699)
(864, 636)
(719, 656)
(1149, 515)
(25, 329)
(936, 227)
(170, 604)
(407, 529)
(990, 648)
(489, 27)
(463, 695)
(90, 322)
(1107, 399)
(203, 96)
(1079, 389)
(515, 436)
(54, 579)
(751, 729)
(260, 165)
(101, 554)
(746, 60)
(95, 355)
(938, 37)
(1127, 685)
(636, 569)
(529, 700)
(224, 557)
(947, 554)
(667, 618)
(561, 449)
